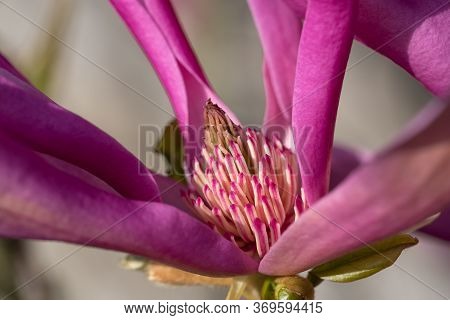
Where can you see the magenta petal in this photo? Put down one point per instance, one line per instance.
(165, 17)
(390, 193)
(38, 201)
(159, 34)
(323, 53)
(175, 196)
(279, 30)
(343, 162)
(33, 119)
(414, 34)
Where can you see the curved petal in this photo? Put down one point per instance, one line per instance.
(414, 34)
(30, 117)
(279, 30)
(159, 34)
(343, 162)
(174, 197)
(163, 14)
(440, 227)
(38, 201)
(323, 53)
(390, 193)
(164, 183)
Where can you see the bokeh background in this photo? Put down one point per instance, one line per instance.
(101, 74)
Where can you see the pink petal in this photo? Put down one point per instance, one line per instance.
(414, 34)
(31, 118)
(323, 53)
(441, 226)
(174, 197)
(279, 30)
(38, 201)
(159, 34)
(393, 191)
(164, 183)
(164, 15)
(343, 161)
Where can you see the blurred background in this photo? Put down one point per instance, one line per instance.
(100, 73)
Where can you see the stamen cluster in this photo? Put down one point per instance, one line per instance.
(246, 185)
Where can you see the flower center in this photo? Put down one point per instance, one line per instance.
(246, 185)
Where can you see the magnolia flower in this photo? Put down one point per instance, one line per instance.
(64, 179)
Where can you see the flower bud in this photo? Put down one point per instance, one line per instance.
(287, 288)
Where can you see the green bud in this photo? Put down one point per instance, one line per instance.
(133, 262)
(287, 288)
(170, 146)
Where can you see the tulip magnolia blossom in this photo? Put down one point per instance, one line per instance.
(64, 179)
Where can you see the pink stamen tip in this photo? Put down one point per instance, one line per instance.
(234, 148)
(229, 159)
(262, 241)
(259, 189)
(233, 197)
